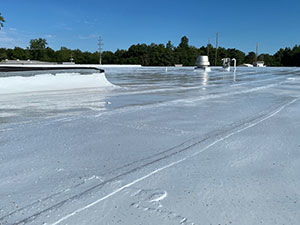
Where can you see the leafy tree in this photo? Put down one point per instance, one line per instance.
(295, 57)
(49, 55)
(237, 54)
(288, 56)
(168, 55)
(222, 53)
(121, 56)
(138, 54)
(278, 57)
(20, 53)
(3, 54)
(149, 55)
(182, 52)
(108, 57)
(37, 47)
(268, 59)
(250, 58)
(286, 59)
(9, 53)
(77, 56)
(184, 43)
(39, 44)
(64, 55)
(155, 53)
(1, 21)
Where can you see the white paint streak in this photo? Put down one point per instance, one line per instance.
(5, 129)
(192, 100)
(173, 163)
(256, 81)
(160, 198)
(117, 191)
(247, 127)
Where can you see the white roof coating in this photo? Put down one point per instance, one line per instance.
(154, 146)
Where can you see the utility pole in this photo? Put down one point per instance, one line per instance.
(217, 40)
(208, 48)
(71, 58)
(256, 54)
(100, 50)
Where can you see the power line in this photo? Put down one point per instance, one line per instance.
(217, 42)
(100, 49)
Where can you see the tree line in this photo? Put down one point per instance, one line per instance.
(149, 55)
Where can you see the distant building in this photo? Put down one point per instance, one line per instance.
(17, 61)
(246, 65)
(24, 62)
(259, 64)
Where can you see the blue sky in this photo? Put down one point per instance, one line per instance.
(78, 24)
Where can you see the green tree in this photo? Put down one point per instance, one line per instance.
(237, 54)
(108, 57)
(295, 57)
(64, 55)
(181, 52)
(286, 59)
(20, 53)
(185, 54)
(49, 55)
(268, 59)
(1, 21)
(121, 56)
(149, 55)
(37, 48)
(3, 54)
(138, 54)
(250, 58)
(168, 56)
(184, 43)
(40, 43)
(222, 53)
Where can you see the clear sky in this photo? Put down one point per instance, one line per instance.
(78, 23)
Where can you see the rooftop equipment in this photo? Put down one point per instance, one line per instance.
(203, 63)
(226, 63)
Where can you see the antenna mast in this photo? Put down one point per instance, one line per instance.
(217, 42)
(100, 50)
(256, 54)
(208, 47)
